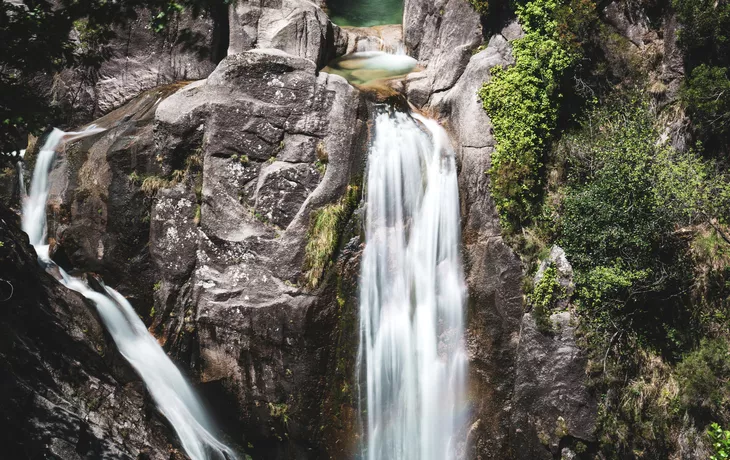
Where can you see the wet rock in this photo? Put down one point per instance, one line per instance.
(98, 213)
(66, 391)
(240, 160)
(376, 38)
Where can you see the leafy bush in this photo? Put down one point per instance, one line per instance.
(625, 199)
(706, 94)
(705, 39)
(544, 296)
(480, 6)
(720, 440)
(523, 101)
(703, 375)
(705, 35)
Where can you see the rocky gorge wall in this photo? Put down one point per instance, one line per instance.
(197, 203)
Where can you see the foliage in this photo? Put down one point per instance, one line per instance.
(706, 94)
(705, 40)
(626, 196)
(703, 375)
(544, 296)
(480, 6)
(151, 184)
(523, 101)
(161, 20)
(638, 417)
(720, 440)
(324, 232)
(705, 35)
(643, 226)
(611, 226)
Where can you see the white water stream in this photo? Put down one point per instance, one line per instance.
(171, 392)
(412, 294)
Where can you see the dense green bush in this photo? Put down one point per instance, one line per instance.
(625, 199)
(544, 296)
(705, 32)
(705, 40)
(523, 101)
(706, 94)
(720, 440)
(703, 376)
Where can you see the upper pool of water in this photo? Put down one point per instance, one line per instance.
(371, 68)
(365, 13)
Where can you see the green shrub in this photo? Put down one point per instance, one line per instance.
(705, 32)
(523, 101)
(720, 440)
(480, 6)
(706, 94)
(703, 375)
(544, 297)
(625, 197)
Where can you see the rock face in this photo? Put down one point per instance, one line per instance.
(297, 27)
(198, 201)
(262, 118)
(551, 401)
(140, 59)
(66, 391)
(235, 164)
(441, 34)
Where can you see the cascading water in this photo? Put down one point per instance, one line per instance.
(169, 389)
(412, 293)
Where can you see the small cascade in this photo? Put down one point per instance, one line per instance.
(412, 294)
(171, 392)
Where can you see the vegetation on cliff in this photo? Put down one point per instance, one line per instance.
(586, 159)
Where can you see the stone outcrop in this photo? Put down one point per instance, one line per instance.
(217, 182)
(551, 402)
(297, 27)
(66, 391)
(441, 34)
(552, 405)
(189, 47)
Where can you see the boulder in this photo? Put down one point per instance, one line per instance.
(298, 27)
(442, 35)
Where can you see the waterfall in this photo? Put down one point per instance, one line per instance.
(171, 392)
(412, 293)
